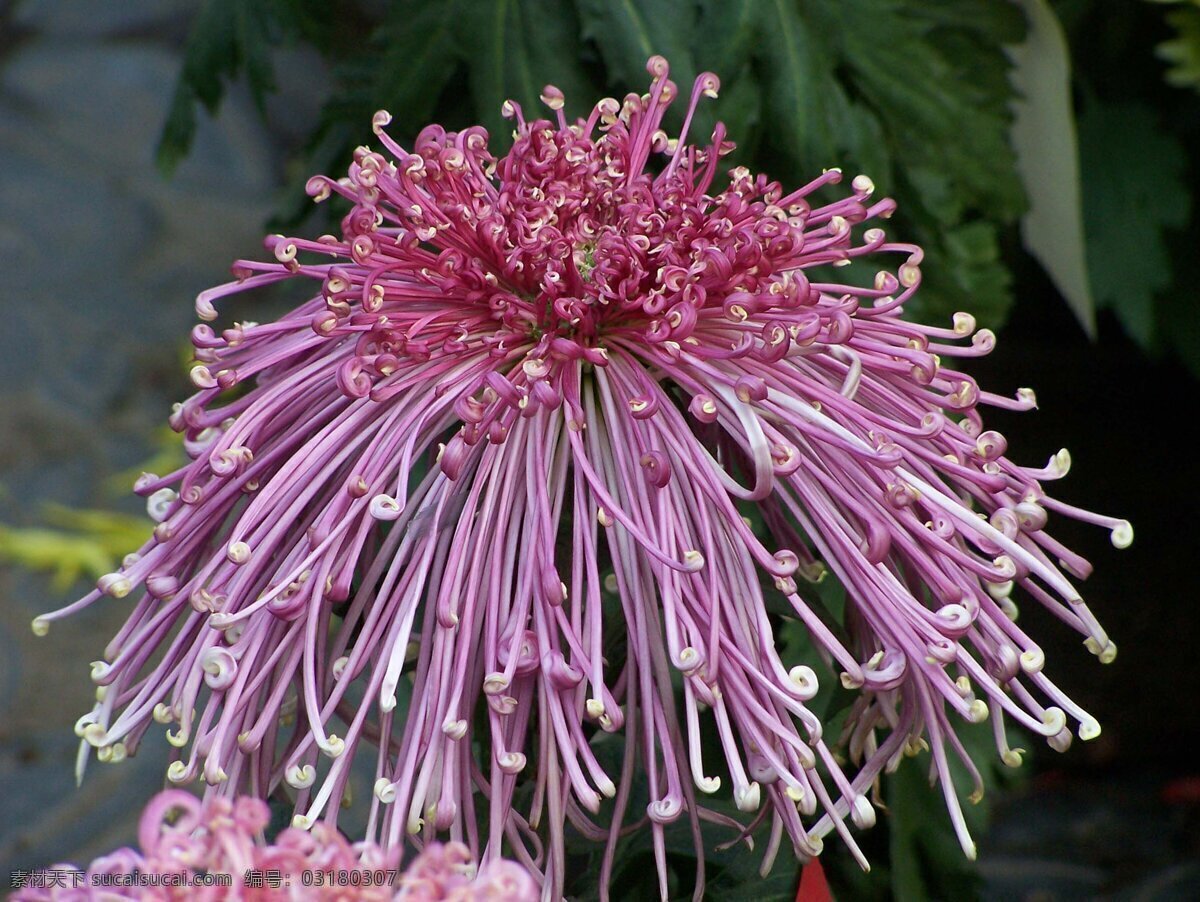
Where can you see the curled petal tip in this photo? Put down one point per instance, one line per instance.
(863, 813)
(977, 711)
(664, 811)
(1013, 757)
(238, 552)
(552, 97)
(511, 762)
(804, 680)
(339, 667)
(863, 184)
(1055, 719)
(115, 585)
(1105, 650)
(964, 323)
(333, 746)
(95, 735)
(1108, 653)
(385, 790)
(748, 798)
(1033, 660)
(299, 777)
(786, 562)
(1122, 534)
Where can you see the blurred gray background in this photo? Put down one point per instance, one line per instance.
(102, 258)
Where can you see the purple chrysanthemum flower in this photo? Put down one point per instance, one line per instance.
(551, 432)
(213, 849)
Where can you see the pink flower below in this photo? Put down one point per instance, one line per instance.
(213, 850)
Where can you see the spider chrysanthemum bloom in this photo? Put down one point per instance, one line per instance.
(552, 431)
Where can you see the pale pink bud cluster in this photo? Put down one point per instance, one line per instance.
(185, 840)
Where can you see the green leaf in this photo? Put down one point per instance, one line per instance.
(408, 60)
(179, 129)
(403, 65)
(999, 22)
(915, 94)
(1048, 160)
(1134, 193)
(926, 860)
(937, 90)
(725, 32)
(1182, 52)
(803, 101)
(78, 543)
(226, 37)
(513, 48)
(970, 272)
(628, 32)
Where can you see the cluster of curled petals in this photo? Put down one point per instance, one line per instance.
(447, 871)
(213, 849)
(551, 434)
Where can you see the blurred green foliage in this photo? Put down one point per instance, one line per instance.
(73, 544)
(1183, 50)
(1139, 137)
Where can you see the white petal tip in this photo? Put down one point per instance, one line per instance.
(747, 799)
(1122, 534)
